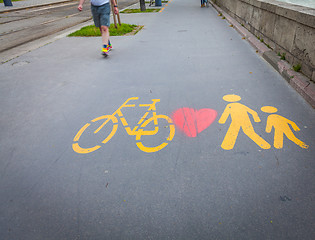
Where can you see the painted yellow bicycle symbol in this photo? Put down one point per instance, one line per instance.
(138, 131)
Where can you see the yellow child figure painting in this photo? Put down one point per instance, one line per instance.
(239, 119)
(282, 127)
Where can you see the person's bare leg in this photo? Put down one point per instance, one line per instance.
(105, 34)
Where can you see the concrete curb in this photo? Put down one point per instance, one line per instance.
(12, 9)
(299, 82)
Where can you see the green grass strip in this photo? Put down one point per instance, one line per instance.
(164, 1)
(92, 31)
(161, 1)
(150, 10)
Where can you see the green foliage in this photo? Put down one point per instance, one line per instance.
(88, 31)
(161, 1)
(282, 56)
(297, 67)
(139, 10)
(121, 30)
(92, 31)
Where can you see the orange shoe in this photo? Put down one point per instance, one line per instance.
(105, 51)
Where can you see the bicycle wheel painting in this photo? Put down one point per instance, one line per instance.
(155, 133)
(95, 134)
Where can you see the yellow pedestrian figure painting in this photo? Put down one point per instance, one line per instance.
(239, 119)
(282, 127)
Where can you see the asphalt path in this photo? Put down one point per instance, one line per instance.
(220, 175)
(22, 26)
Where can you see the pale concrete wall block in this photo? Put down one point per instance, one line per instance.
(307, 17)
(231, 5)
(287, 12)
(284, 32)
(267, 24)
(244, 11)
(255, 21)
(289, 58)
(254, 3)
(304, 45)
(268, 7)
(286, 28)
(307, 70)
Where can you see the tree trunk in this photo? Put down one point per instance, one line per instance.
(142, 5)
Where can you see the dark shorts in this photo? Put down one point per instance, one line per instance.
(101, 15)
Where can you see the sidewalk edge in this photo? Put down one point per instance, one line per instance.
(299, 82)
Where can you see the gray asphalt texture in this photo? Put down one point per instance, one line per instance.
(29, 3)
(186, 56)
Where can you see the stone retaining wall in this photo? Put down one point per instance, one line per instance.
(286, 28)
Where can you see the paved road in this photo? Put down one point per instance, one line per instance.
(29, 3)
(220, 176)
(22, 26)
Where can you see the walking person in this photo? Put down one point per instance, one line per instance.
(101, 17)
(281, 127)
(203, 3)
(240, 119)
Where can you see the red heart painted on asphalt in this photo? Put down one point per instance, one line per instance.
(192, 121)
